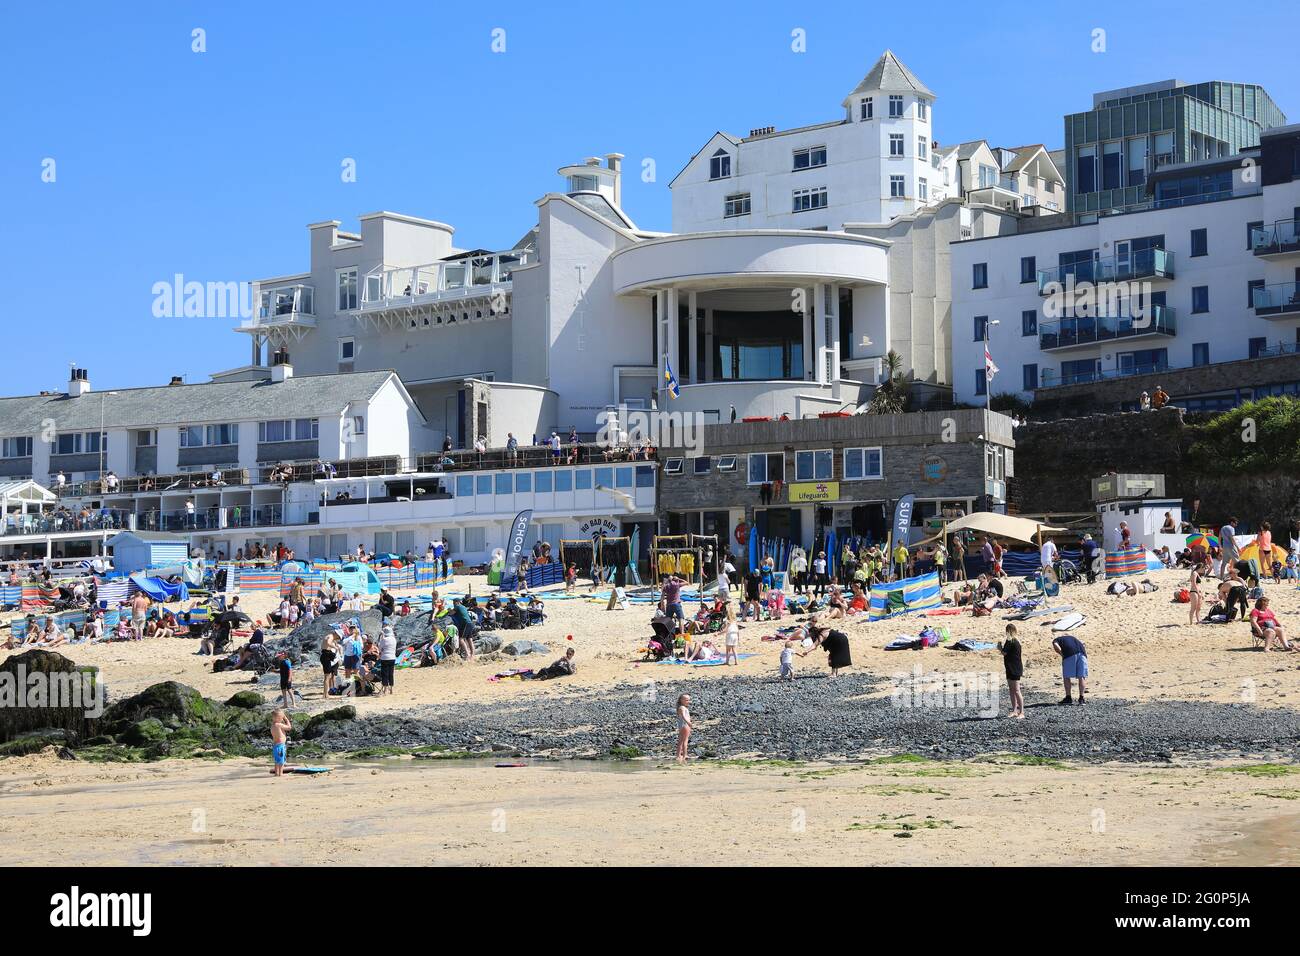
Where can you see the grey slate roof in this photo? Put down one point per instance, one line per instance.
(889, 73)
(304, 396)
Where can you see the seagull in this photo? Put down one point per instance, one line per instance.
(622, 496)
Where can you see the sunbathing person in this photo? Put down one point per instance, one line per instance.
(704, 651)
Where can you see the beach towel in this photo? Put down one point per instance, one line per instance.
(967, 644)
(713, 663)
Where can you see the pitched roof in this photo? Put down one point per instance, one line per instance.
(889, 73)
(304, 396)
(968, 149)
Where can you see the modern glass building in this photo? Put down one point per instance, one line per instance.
(1111, 149)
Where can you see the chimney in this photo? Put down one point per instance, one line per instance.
(176, 380)
(78, 382)
(615, 163)
(280, 367)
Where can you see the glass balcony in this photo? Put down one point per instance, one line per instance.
(1277, 239)
(212, 519)
(441, 280)
(1282, 298)
(1143, 264)
(1052, 378)
(290, 305)
(66, 521)
(1070, 332)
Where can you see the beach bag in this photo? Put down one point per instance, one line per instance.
(1182, 596)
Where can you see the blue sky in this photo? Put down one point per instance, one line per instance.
(212, 164)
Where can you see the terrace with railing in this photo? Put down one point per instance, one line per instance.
(1070, 332)
(1141, 264)
(1282, 298)
(1276, 239)
(443, 283)
(284, 307)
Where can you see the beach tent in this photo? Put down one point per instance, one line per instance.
(1248, 550)
(1002, 526)
(357, 578)
(907, 596)
(159, 590)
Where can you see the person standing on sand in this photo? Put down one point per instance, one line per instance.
(1227, 547)
(280, 727)
(388, 659)
(1074, 664)
(285, 666)
(139, 608)
(1194, 596)
(684, 726)
(733, 638)
(1013, 662)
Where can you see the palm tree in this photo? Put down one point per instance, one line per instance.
(892, 394)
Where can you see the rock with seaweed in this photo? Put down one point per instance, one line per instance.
(42, 690)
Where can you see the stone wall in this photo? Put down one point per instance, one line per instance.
(1056, 462)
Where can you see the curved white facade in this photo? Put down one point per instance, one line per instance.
(761, 257)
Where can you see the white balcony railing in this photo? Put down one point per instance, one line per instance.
(449, 279)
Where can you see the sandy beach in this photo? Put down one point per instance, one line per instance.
(1191, 807)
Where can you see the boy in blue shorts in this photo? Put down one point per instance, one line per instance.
(280, 727)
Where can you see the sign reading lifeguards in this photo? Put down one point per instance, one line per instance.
(815, 491)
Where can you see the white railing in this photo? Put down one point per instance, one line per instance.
(449, 278)
(286, 302)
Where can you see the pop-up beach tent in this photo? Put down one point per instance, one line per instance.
(1003, 526)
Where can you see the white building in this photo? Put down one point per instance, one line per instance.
(1211, 259)
(873, 163)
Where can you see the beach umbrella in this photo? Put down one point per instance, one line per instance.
(1205, 541)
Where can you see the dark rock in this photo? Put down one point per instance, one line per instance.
(247, 699)
(145, 733)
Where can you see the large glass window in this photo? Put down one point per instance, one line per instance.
(564, 481)
(809, 157)
(464, 486)
(542, 481)
(1085, 170)
(813, 465)
(347, 284)
(862, 464)
(504, 486)
(720, 165)
(582, 480)
(16, 447)
(524, 481)
(766, 467)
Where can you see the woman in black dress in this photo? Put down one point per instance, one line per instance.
(834, 643)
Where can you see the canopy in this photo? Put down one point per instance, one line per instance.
(160, 590)
(1002, 526)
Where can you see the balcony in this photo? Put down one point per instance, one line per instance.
(1052, 379)
(1074, 332)
(66, 522)
(472, 287)
(287, 311)
(212, 519)
(1146, 264)
(1278, 239)
(1280, 299)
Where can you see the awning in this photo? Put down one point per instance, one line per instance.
(1003, 526)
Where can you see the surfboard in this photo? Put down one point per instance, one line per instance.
(309, 769)
(1039, 612)
(1069, 622)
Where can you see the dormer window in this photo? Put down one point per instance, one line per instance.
(720, 165)
(868, 109)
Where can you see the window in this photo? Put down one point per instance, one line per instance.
(297, 429)
(580, 184)
(347, 282)
(981, 328)
(1251, 286)
(146, 438)
(1200, 353)
(223, 435)
(897, 187)
(645, 476)
(16, 447)
(542, 482)
(604, 477)
(737, 205)
(867, 110)
(727, 463)
(1200, 298)
(1028, 269)
(1110, 165)
(1256, 347)
(863, 464)
(622, 477)
(921, 147)
(895, 144)
(895, 106)
(805, 199)
(922, 109)
(475, 539)
(1029, 322)
(1200, 242)
(980, 275)
(766, 467)
(504, 486)
(1251, 227)
(1030, 377)
(1085, 170)
(524, 482)
(701, 465)
(980, 382)
(813, 465)
(720, 165)
(582, 479)
(922, 188)
(988, 176)
(810, 157)
(347, 350)
(358, 424)
(673, 466)
(192, 436)
(564, 481)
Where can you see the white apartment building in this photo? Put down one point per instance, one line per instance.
(873, 163)
(1205, 272)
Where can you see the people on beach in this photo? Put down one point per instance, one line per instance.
(684, 726)
(733, 638)
(329, 661)
(1013, 664)
(1266, 624)
(1074, 665)
(1194, 596)
(280, 728)
(834, 643)
(387, 659)
(787, 661)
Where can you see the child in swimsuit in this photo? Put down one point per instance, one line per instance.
(280, 727)
(683, 726)
(1015, 669)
